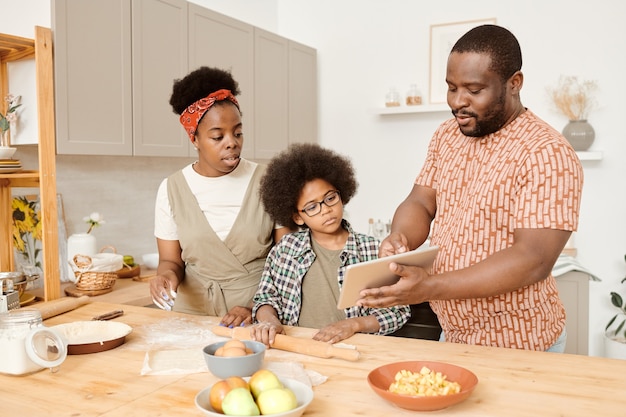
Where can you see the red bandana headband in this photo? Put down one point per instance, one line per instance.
(192, 114)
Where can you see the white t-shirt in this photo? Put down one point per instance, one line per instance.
(219, 198)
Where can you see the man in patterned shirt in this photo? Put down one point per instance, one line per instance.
(499, 194)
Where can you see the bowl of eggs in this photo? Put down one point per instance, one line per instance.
(422, 385)
(234, 357)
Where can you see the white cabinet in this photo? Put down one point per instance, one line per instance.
(285, 93)
(216, 40)
(92, 58)
(302, 93)
(116, 62)
(159, 42)
(271, 94)
(574, 292)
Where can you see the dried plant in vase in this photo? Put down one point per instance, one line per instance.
(575, 99)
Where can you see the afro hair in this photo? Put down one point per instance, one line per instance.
(288, 172)
(199, 84)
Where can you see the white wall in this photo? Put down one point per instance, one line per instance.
(366, 46)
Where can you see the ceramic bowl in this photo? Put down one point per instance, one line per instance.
(6, 152)
(223, 367)
(304, 395)
(380, 378)
(151, 260)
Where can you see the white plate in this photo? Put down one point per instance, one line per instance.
(10, 170)
(303, 392)
(93, 336)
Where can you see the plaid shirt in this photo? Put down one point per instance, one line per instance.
(287, 264)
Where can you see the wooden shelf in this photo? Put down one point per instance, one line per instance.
(422, 108)
(14, 48)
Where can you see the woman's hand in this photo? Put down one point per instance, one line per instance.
(237, 316)
(163, 290)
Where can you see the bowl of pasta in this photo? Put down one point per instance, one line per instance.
(422, 385)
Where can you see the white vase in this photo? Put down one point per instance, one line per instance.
(614, 349)
(81, 244)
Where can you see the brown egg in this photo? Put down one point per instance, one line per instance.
(234, 343)
(219, 351)
(234, 351)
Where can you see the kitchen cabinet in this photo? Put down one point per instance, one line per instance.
(149, 43)
(233, 51)
(285, 93)
(92, 58)
(574, 292)
(13, 48)
(159, 45)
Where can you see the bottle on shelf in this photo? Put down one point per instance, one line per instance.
(413, 96)
(392, 99)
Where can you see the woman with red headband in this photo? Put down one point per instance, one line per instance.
(212, 233)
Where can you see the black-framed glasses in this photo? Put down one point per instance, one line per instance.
(315, 208)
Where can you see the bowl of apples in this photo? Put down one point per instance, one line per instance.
(264, 393)
(234, 357)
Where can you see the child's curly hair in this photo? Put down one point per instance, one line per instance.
(289, 171)
(199, 84)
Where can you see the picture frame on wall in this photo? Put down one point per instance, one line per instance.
(443, 36)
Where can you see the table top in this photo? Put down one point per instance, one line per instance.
(511, 382)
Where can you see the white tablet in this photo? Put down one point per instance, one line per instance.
(376, 273)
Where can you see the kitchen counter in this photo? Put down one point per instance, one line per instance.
(511, 382)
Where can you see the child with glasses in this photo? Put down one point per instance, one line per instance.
(305, 188)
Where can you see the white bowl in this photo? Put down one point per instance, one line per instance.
(151, 260)
(6, 152)
(304, 395)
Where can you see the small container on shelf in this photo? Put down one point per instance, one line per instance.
(413, 96)
(392, 99)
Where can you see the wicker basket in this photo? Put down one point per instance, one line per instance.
(87, 280)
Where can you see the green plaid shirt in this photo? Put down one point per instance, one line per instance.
(290, 259)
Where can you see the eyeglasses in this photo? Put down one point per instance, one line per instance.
(331, 199)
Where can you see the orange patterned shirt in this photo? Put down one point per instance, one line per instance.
(524, 176)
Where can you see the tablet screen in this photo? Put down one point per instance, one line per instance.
(376, 273)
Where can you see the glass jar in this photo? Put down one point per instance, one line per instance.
(26, 345)
(413, 96)
(392, 99)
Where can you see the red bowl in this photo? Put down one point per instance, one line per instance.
(381, 377)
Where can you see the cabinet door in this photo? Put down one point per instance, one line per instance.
(302, 93)
(93, 76)
(271, 84)
(219, 41)
(159, 39)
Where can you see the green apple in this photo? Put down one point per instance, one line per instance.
(239, 402)
(276, 400)
(262, 380)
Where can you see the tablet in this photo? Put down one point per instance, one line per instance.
(376, 273)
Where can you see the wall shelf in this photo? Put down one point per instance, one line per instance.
(589, 155)
(422, 108)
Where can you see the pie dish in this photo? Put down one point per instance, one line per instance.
(93, 336)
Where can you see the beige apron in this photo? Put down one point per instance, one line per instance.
(219, 275)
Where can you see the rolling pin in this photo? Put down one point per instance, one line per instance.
(293, 344)
(62, 305)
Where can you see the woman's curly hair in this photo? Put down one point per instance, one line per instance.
(289, 171)
(199, 84)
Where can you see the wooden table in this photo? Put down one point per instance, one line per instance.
(511, 382)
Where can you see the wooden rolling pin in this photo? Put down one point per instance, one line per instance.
(62, 305)
(293, 344)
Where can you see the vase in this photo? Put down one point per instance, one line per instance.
(4, 139)
(580, 134)
(81, 244)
